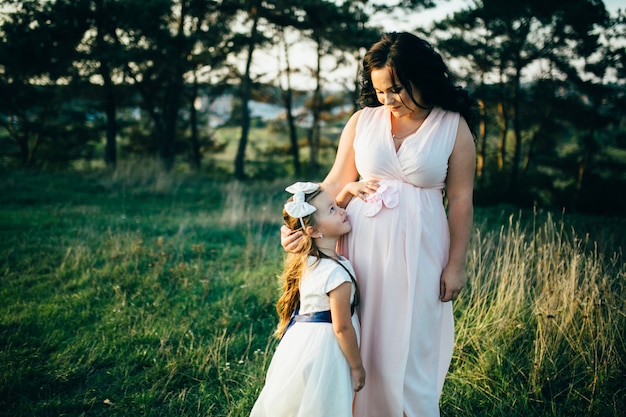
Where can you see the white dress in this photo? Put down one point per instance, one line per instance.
(309, 375)
(399, 246)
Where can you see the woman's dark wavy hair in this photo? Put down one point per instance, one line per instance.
(413, 60)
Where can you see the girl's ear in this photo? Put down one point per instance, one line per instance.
(312, 231)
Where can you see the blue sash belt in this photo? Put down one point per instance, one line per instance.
(314, 317)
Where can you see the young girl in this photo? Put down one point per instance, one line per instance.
(317, 366)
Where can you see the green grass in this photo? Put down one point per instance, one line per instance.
(144, 293)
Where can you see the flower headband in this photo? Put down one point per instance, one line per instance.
(298, 207)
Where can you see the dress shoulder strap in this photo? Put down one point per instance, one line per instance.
(357, 293)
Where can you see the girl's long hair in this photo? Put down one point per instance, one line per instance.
(296, 264)
(413, 60)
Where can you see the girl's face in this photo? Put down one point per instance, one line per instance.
(392, 94)
(330, 219)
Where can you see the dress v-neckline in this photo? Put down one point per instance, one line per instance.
(407, 137)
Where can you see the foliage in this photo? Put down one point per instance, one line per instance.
(141, 291)
(102, 77)
(547, 77)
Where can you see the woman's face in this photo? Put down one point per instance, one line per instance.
(392, 94)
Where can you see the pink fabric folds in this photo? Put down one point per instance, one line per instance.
(386, 195)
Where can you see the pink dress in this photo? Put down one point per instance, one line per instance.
(399, 246)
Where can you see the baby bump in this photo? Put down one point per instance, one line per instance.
(409, 213)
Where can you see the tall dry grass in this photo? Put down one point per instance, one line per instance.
(141, 175)
(540, 328)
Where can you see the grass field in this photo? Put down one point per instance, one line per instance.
(144, 293)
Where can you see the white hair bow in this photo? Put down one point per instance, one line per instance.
(298, 207)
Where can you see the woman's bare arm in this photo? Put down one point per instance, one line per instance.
(459, 191)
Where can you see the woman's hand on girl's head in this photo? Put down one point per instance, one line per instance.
(289, 239)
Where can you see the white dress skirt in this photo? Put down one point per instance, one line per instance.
(309, 375)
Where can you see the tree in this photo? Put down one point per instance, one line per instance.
(332, 27)
(255, 12)
(343, 30)
(505, 43)
(287, 97)
(337, 30)
(30, 82)
(157, 46)
(156, 50)
(102, 56)
(595, 101)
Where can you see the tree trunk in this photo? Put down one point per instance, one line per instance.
(287, 98)
(23, 145)
(293, 133)
(517, 130)
(504, 130)
(482, 134)
(246, 87)
(316, 108)
(357, 84)
(171, 105)
(173, 92)
(110, 101)
(196, 157)
(534, 138)
(110, 109)
(584, 166)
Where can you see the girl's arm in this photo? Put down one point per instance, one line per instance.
(346, 335)
(459, 191)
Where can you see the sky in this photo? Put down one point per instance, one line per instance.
(444, 8)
